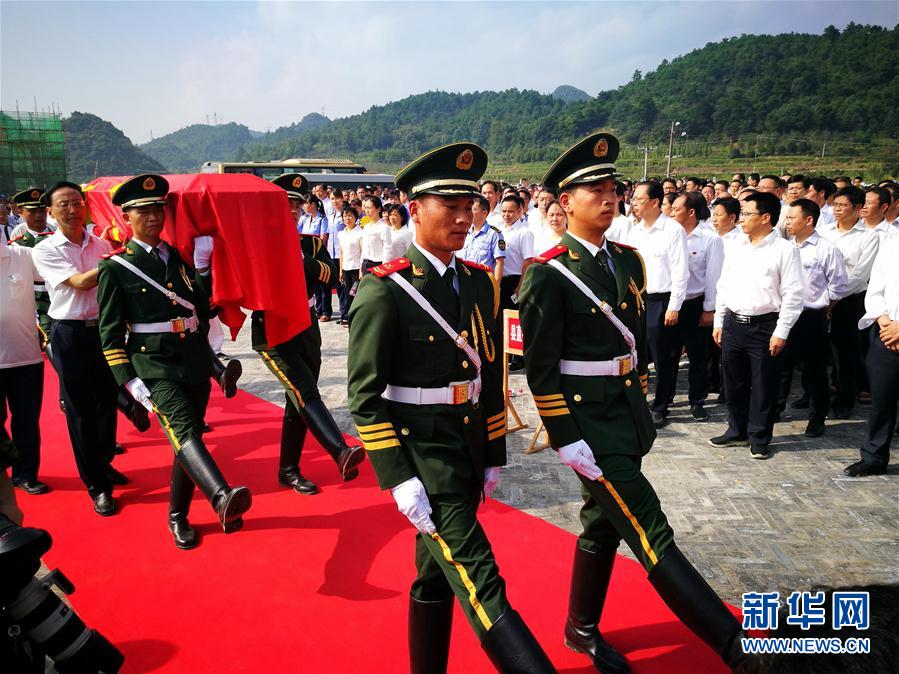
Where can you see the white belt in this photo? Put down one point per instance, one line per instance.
(40, 287)
(457, 393)
(176, 325)
(617, 367)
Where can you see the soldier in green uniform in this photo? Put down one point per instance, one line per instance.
(154, 313)
(34, 212)
(424, 383)
(297, 364)
(584, 324)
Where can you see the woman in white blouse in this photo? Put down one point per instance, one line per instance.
(349, 241)
(401, 234)
(375, 234)
(556, 226)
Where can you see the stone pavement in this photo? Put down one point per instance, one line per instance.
(788, 523)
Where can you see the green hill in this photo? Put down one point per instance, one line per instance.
(94, 147)
(570, 94)
(186, 149)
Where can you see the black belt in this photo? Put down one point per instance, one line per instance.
(747, 319)
(89, 323)
(814, 309)
(658, 296)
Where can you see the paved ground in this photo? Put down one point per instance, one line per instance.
(785, 524)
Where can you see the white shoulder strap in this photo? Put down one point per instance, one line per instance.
(603, 306)
(420, 300)
(165, 291)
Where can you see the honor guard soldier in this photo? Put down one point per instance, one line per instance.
(154, 313)
(297, 363)
(583, 315)
(425, 391)
(29, 234)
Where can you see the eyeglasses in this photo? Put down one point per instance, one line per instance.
(66, 205)
(743, 214)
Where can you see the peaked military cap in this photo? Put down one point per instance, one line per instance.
(296, 186)
(143, 190)
(47, 196)
(30, 198)
(450, 170)
(589, 160)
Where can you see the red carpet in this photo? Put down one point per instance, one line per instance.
(311, 584)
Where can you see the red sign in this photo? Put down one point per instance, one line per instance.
(513, 339)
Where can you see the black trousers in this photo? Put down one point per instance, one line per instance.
(660, 340)
(689, 334)
(751, 379)
(845, 340)
(323, 305)
(807, 348)
(350, 277)
(883, 375)
(89, 392)
(22, 389)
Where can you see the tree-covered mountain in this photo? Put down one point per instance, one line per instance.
(185, 150)
(94, 147)
(570, 94)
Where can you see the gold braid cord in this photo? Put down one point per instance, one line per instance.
(495, 284)
(489, 346)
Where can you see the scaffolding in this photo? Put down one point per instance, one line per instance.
(32, 151)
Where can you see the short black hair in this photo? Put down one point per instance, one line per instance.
(754, 176)
(404, 214)
(375, 201)
(696, 202)
(776, 179)
(670, 180)
(723, 182)
(514, 197)
(767, 203)
(809, 209)
(855, 195)
(350, 209)
(653, 190)
(883, 194)
(824, 185)
(799, 178)
(730, 205)
(496, 187)
(47, 196)
(483, 202)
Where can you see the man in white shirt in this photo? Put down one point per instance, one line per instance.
(858, 245)
(663, 245)
(21, 366)
(877, 201)
(490, 190)
(820, 190)
(892, 214)
(825, 282)
(68, 260)
(759, 300)
(519, 241)
(881, 313)
(705, 255)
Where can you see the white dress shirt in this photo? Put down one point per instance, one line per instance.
(57, 260)
(593, 249)
(826, 217)
(762, 279)
(884, 231)
(375, 237)
(705, 255)
(859, 248)
(883, 290)
(664, 250)
(729, 238)
(519, 247)
(398, 241)
(163, 248)
(439, 267)
(823, 271)
(19, 343)
(350, 248)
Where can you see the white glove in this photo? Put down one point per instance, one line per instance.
(577, 455)
(202, 252)
(139, 391)
(491, 480)
(412, 501)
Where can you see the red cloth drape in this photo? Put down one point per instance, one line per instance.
(256, 263)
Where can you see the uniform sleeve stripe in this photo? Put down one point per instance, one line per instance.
(111, 352)
(501, 415)
(382, 444)
(374, 427)
(496, 434)
(495, 427)
(377, 435)
(551, 405)
(119, 361)
(554, 413)
(547, 398)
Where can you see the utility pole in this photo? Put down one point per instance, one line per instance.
(670, 147)
(646, 149)
(823, 147)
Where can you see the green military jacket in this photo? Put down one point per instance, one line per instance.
(125, 298)
(559, 321)
(394, 341)
(41, 294)
(318, 266)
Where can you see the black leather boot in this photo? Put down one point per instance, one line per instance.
(695, 603)
(430, 626)
(590, 577)
(293, 434)
(226, 375)
(229, 504)
(324, 429)
(513, 649)
(133, 410)
(180, 495)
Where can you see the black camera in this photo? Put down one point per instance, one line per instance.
(35, 622)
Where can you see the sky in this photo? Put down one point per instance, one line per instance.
(151, 68)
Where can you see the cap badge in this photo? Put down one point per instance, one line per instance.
(601, 149)
(297, 182)
(149, 184)
(35, 194)
(465, 160)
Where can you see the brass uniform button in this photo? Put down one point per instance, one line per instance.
(592, 310)
(464, 334)
(623, 306)
(143, 349)
(465, 364)
(174, 302)
(577, 397)
(628, 382)
(465, 420)
(143, 290)
(182, 335)
(430, 338)
(404, 431)
(168, 285)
